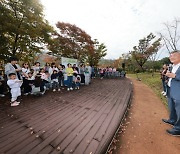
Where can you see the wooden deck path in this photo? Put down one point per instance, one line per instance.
(81, 121)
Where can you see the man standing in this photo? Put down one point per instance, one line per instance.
(174, 94)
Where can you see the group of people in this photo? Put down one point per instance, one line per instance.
(36, 79)
(110, 72)
(171, 86)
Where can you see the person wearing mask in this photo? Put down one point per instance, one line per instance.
(173, 93)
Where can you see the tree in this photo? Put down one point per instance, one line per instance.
(145, 49)
(71, 41)
(165, 60)
(171, 35)
(99, 52)
(23, 29)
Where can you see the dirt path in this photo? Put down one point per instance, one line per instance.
(145, 133)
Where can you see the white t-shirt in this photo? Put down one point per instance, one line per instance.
(174, 69)
(52, 69)
(26, 71)
(36, 69)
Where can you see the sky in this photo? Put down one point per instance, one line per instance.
(119, 24)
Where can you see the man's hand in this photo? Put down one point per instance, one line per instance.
(170, 75)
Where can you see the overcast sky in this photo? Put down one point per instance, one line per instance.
(117, 23)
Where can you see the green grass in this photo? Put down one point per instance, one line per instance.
(154, 82)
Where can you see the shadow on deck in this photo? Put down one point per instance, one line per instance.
(80, 122)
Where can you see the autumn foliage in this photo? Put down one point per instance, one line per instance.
(146, 48)
(71, 41)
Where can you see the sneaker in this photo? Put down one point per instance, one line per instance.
(54, 89)
(14, 104)
(43, 92)
(162, 92)
(59, 89)
(26, 94)
(68, 89)
(2, 95)
(71, 88)
(77, 87)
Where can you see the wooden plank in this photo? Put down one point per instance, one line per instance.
(91, 148)
(111, 130)
(80, 121)
(50, 129)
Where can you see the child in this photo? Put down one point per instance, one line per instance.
(37, 87)
(30, 80)
(43, 77)
(36, 67)
(76, 80)
(31, 76)
(47, 80)
(15, 85)
(54, 79)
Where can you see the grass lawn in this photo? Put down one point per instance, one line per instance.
(153, 82)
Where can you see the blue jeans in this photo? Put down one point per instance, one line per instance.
(69, 81)
(77, 84)
(164, 86)
(55, 85)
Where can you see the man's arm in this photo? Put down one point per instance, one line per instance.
(175, 76)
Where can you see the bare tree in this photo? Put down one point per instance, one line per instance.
(171, 35)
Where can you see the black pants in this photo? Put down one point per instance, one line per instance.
(82, 78)
(2, 86)
(27, 88)
(61, 80)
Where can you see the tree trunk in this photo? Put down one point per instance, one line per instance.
(142, 69)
